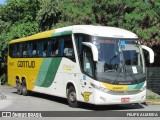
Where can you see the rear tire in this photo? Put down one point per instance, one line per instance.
(25, 92)
(19, 87)
(71, 97)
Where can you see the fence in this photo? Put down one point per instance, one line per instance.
(153, 79)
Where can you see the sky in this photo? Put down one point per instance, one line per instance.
(2, 1)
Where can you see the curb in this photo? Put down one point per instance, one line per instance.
(151, 102)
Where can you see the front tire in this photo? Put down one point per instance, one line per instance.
(71, 97)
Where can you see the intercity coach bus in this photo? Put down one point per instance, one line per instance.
(84, 63)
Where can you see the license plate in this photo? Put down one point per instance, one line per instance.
(125, 99)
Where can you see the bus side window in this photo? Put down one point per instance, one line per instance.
(79, 38)
(19, 50)
(15, 52)
(60, 49)
(34, 52)
(40, 48)
(11, 50)
(24, 49)
(68, 50)
(54, 47)
(30, 49)
(45, 47)
(48, 50)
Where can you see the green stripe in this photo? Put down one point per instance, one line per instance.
(136, 86)
(47, 72)
(62, 33)
(140, 85)
(43, 71)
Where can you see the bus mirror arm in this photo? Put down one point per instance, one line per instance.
(151, 53)
(94, 50)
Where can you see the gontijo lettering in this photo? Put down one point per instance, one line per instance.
(26, 64)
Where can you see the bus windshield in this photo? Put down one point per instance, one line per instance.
(120, 60)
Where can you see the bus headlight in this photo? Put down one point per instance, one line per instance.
(102, 89)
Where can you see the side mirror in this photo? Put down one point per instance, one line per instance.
(94, 50)
(151, 53)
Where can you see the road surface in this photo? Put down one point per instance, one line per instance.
(42, 102)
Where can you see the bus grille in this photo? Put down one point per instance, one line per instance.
(124, 92)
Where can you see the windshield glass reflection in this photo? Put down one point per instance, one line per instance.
(118, 58)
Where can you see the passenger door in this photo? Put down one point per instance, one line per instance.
(86, 78)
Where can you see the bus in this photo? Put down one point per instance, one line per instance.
(98, 65)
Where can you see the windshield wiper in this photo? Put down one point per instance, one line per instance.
(112, 59)
(124, 70)
(123, 67)
(133, 77)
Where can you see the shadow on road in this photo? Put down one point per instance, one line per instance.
(111, 107)
(87, 106)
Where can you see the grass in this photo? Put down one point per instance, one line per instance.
(151, 97)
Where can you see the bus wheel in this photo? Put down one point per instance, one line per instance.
(71, 97)
(19, 87)
(25, 92)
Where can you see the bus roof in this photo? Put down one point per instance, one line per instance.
(103, 31)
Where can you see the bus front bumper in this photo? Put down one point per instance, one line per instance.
(102, 98)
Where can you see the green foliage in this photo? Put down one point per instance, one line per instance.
(48, 14)
(3, 79)
(23, 29)
(108, 13)
(20, 10)
(135, 15)
(76, 12)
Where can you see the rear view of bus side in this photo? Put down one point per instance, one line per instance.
(93, 64)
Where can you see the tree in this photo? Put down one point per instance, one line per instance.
(141, 18)
(138, 16)
(20, 10)
(108, 13)
(17, 19)
(76, 12)
(48, 14)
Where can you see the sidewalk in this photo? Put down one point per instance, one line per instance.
(153, 102)
(152, 98)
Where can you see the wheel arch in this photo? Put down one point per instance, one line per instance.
(75, 87)
(17, 78)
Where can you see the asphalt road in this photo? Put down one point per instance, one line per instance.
(42, 102)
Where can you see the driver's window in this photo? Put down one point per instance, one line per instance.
(88, 61)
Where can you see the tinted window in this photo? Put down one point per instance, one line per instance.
(49, 47)
(24, 49)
